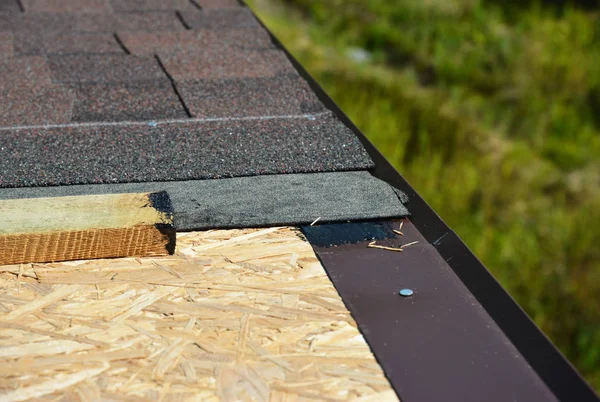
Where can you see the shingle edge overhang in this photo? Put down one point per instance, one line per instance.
(542, 355)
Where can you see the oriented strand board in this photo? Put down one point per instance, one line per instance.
(92, 226)
(233, 315)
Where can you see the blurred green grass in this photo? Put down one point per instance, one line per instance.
(491, 110)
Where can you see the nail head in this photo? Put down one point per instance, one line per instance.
(406, 292)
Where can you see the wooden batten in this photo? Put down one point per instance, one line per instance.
(233, 315)
(85, 227)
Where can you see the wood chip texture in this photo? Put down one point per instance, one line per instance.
(234, 315)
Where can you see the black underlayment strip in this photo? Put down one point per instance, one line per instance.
(293, 199)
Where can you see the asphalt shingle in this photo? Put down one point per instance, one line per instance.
(148, 43)
(148, 21)
(177, 151)
(32, 22)
(6, 45)
(225, 63)
(221, 18)
(218, 3)
(55, 23)
(104, 69)
(101, 91)
(65, 43)
(64, 6)
(144, 5)
(134, 101)
(9, 6)
(272, 96)
(24, 73)
(32, 106)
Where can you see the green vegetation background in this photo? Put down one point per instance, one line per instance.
(491, 110)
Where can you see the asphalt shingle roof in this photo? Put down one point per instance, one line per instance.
(227, 102)
(109, 94)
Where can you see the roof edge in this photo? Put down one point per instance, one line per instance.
(544, 357)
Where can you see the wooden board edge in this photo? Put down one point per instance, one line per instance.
(142, 239)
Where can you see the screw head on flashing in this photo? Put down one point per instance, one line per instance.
(406, 292)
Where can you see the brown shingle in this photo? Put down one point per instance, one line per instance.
(55, 23)
(71, 6)
(24, 73)
(148, 43)
(104, 69)
(218, 3)
(6, 44)
(225, 63)
(10, 6)
(271, 96)
(31, 106)
(27, 22)
(226, 18)
(142, 5)
(150, 21)
(58, 43)
(147, 100)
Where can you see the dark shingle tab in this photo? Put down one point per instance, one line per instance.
(28, 95)
(226, 18)
(30, 22)
(56, 23)
(150, 21)
(143, 100)
(177, 151)
(141, 5)
(272, 96)
(66, 6)
(43, 105)
(24, 73)
(9, 6)
(69, 43)
(105, 69)
(218, 3)
(148, 43)
(225, 63)
(6, 45)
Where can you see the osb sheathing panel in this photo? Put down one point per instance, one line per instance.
(233, 315)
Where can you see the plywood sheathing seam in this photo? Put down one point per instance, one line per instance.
(234, 315)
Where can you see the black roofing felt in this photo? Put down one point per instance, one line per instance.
(249, 202)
